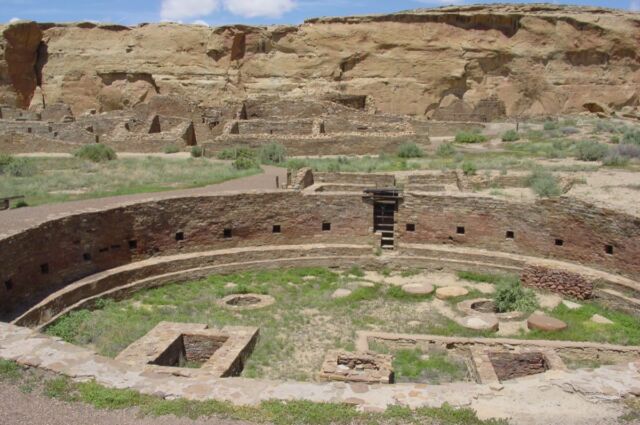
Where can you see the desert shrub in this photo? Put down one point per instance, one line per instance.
(243, 163)
(631, 137)
(273, 153)
(196, 152)
(469, 168)
(20, 167)
(235, 153)
(446, 150)
(510, 136)
(21, 204)
(544, 184)
(550, 125)
(591, 151)
(5, 160)
(410, 150)
(630, 151)
(615, 139)
(512, 296)
(614, 159)
(570, 122)
(171, 149)
(96, 153)
(569, 130)
(470, 137)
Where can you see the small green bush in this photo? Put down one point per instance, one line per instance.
(243, 163)
(96, 153)
(550, 125)
(273, 153)
(4, 161)
(513, 297)
(21, 204)
(470, 137)
(510, 136)
(446, 150)
(615, 139)
(410, 150)
(197, 152)
(591, 151)
(171, 149)
(469, 168)
(631, 137)
(20, 167)
(544, 184)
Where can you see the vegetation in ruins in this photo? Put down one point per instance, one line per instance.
(591, 151)
(96, 153)
(197, 152)
(169, 149)
(469, 168)
(410, 150)
(16, 167)
(511, 296)
(65, 179)
(446, 150)
(510, 136)
(272, 154)
(470, 137)
(544, 184)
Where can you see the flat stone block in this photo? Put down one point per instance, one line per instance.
(418, 288)
(545, 323)
(451, 292)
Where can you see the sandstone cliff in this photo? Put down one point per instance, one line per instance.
(537, 59)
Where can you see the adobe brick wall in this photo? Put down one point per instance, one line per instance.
(558, 281)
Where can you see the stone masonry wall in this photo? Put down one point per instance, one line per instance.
(44, 259)
(558, 281)
(379, 180)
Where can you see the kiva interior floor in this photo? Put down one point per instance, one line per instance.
(305, 321)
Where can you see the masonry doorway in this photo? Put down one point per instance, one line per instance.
(384, 221)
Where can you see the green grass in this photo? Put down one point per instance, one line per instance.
(267, 412)
(296, 331)
(66, 179)
(9, 370)
(494, 278)
(435, 368)
(624, 331)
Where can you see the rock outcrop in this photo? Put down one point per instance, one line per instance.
(443, 63)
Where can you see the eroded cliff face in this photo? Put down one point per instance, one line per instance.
(535, 59)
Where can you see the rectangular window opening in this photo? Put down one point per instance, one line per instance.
(44, 268)
(277, 228)
(180, 236)
(326, 227)
(133, 244)
(511, 234)
(411, 227)
(227, 233)
(608, 249)
(460, 230)
(8, 284)
(86, 256)
(559, 242)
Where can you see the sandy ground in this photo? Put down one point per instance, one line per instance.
(17, 408)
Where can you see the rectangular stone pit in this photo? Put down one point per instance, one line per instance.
(516, 365)
(367, 368)
(192, 349)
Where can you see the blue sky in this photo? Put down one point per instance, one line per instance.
(218, 12)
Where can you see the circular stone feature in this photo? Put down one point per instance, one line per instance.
(341, 293)
(451, 292)
(484, 306)
(480, 323)
(545, 323)
(246, 301)
(418, 288)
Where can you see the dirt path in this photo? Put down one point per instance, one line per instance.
(17, 408)
(15, 220)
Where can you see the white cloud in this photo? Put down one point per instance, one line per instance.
(200, 22)
(635, 5)
(175, 10)
(12, 20)
(254, 8)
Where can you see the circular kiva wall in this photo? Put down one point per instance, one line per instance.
(174, 239)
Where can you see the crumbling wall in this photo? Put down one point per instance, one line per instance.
(558, 281)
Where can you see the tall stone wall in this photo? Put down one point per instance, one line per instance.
(38, 261)
(561, 228)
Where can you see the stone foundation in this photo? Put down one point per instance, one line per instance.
(367, 368)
